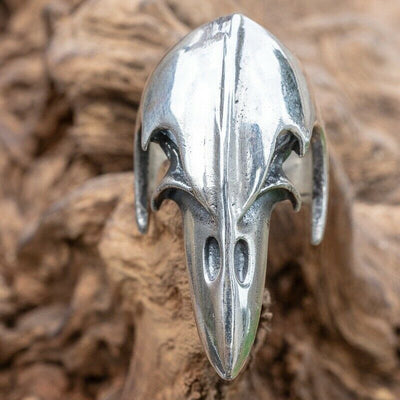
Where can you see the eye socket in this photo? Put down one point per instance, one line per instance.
(174, 185)
(212, 258)
(241, 260)
(174, 182)
(286, 143)
(283, 189)
(277, 183)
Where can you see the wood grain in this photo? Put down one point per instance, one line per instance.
(91, 309)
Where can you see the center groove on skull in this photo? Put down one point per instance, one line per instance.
(241, 260)
(212, 258)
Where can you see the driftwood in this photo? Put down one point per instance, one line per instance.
(91, 309)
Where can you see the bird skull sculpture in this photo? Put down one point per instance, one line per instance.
(230, 109)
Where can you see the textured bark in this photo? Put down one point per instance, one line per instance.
(91, 309)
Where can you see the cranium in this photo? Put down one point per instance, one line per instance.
(230, 109)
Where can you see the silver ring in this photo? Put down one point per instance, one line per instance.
(229, 107)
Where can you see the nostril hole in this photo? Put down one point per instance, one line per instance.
(212, 257)
(241, 260)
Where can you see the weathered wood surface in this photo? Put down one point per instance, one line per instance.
(90, 309)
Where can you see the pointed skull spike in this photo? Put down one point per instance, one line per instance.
(231, 110)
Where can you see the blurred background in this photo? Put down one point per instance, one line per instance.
(89, 309)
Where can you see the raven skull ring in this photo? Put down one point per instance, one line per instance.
(230, 110)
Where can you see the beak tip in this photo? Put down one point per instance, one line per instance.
(228, 348)
(228, 371)
(229, 374)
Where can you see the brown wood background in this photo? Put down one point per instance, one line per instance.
(89, 309)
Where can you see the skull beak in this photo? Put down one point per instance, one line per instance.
(227, 279)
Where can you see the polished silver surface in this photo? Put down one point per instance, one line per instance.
(230, 109)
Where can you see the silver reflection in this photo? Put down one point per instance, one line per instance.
(230, 109)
